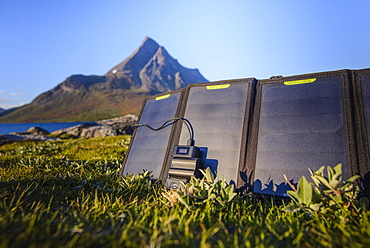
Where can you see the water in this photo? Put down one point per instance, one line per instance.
(49, 126)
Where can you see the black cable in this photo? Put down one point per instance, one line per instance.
(166, 124)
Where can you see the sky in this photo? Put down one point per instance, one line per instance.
(42, 42)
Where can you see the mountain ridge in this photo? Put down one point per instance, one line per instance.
(149, 70)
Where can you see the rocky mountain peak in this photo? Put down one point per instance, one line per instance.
(136, 61)
(153, 69)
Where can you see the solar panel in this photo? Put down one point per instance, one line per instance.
(299, 123)
(149, 149)
(219, 113)
(257, 132)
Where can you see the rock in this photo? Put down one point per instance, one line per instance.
(120, 119)
(111, 127)
(121, 125)
(34, 131)
(74, 131)
(9, 138)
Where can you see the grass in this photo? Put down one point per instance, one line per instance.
(68, 194)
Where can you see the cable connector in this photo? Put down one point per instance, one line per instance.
(185, 163)
(190, 142)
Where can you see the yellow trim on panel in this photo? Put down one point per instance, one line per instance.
(162, 97)
(219, 86)
(303, 81)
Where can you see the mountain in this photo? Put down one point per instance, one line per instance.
(149, 70)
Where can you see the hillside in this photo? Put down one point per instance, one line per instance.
(147, 71)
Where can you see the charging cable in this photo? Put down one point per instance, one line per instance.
(170, 122)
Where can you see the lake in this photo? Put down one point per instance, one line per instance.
(49, 126)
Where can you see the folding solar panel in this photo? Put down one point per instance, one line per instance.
(219, 113)
(299, 123)
(149, 149)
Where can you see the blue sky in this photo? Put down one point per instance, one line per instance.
(42, 42)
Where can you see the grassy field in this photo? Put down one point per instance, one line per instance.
(68, 194)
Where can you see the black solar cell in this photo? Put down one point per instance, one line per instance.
(148, 150)
(219, 113)
(301, 124)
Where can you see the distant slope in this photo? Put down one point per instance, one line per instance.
(149, 70)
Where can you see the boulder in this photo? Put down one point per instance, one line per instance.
(111, 127)
(74, 132)
(121, 125)
(9, 138)
(34, 131)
